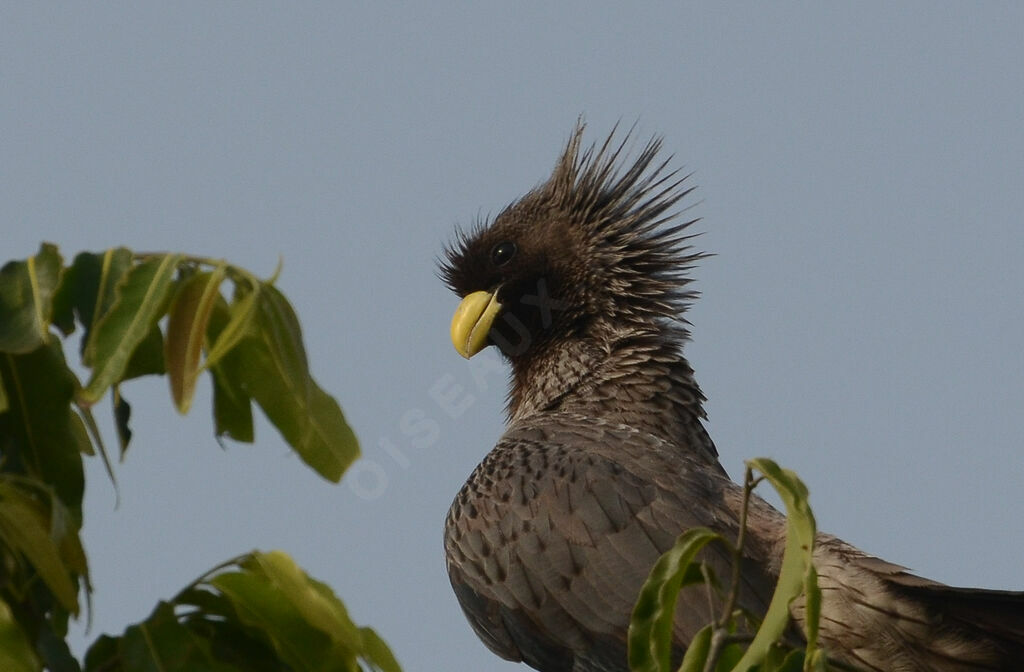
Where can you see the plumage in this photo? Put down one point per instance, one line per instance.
(582, 285)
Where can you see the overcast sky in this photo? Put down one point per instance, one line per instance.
(860, 183)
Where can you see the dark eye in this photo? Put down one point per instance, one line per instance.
(503, 253)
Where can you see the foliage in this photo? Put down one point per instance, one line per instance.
(721, 646)
(155, 314)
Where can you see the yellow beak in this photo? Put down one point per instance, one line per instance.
(472, 321)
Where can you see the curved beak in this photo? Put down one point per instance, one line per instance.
(472, 321)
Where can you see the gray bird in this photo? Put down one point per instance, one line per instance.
(582, 285)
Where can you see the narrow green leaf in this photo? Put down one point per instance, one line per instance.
(140, 300)
(113, 265)
(796, 559)
(122, 414)
(815, 659)
(242, 315)
(26, 299)
(85, 415)
(273, 371)
(697, 651)
(81, 434)
(186, 331)
(16, 654)
(650, 627)
(40, 387)
(25, 526)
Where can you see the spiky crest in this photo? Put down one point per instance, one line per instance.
(640, 265)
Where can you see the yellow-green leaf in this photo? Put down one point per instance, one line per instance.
(186, 331)
(650, 627)
(314, 599)
(796, 559)
(140, 300)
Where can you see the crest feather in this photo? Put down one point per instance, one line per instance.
(624, 208)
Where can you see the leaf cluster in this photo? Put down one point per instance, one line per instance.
(722, 646)
(152, 314)
(259, 612)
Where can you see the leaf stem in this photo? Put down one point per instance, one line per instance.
(721, 635)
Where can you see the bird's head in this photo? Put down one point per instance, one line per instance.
(588, 253)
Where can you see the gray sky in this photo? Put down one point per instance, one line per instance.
(860, 182)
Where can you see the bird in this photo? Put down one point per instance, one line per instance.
(582, 285)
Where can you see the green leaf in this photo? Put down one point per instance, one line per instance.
(162, 644)
(314, 599)
(242, 314)
(40, 387)
(81, 435)
(122, 414)
(697, 651)
(650, 627)
(377, 653)
(26, 299)
(261, 605)
(273, 370)
(16, 654)
(89, 286)
(104, 655)
(139, 304)
(232, 408)
(815, 659)
(26, 526)
(236, 645)
(186, 331)
(301, 617)
(793, 662)
(52, 647)
(86, 417)
(148, 358)
(796, 559)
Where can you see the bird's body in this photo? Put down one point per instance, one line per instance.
(605, 460)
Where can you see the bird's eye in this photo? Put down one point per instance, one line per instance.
(503, 253)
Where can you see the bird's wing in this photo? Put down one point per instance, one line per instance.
(878, 616)
(554, 533)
